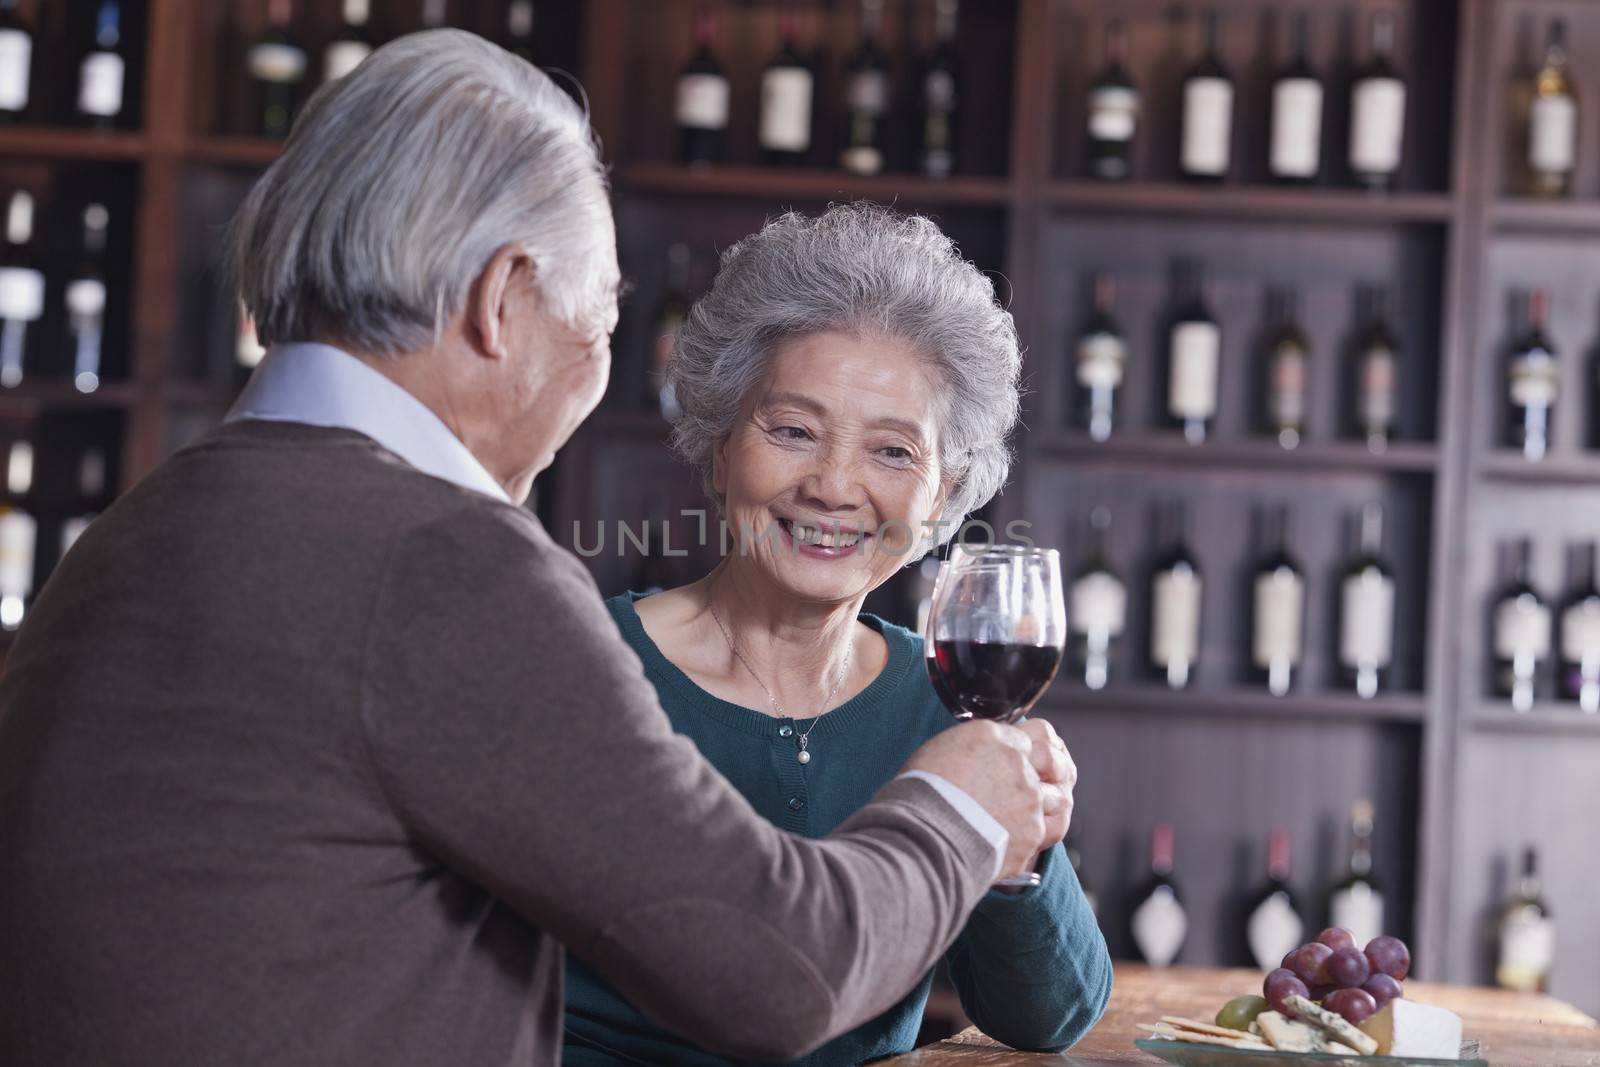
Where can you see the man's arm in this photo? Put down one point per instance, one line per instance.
(516, 735)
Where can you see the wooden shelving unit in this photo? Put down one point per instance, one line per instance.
(1066, 698)
(1243, 202)
(766, 185)
(1251, 454)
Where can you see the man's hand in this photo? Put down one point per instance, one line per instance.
(996, 766)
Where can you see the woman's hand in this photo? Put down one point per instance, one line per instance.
(1058, 774)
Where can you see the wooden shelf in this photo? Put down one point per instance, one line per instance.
(30, 397)
(62, 143)
(810, 184)
(1252, 454)
(256, 152)
(1547, 717)
(201, 394)
(1504, 465)
(1065, 697)
(1546, 217)
(1251, 202)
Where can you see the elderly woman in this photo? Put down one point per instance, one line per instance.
(848, 378)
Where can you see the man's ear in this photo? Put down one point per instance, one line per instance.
(498, 296)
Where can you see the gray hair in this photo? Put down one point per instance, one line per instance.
(863, 270)
(402, 179)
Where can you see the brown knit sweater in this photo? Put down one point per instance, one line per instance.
(309, 758)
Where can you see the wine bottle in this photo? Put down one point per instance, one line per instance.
(352, 45)
(1521, 625)
(1159, 921)
(1113, 110)
(21, 290)
(669, 320)
(435, 14)
(1280, 602)
(866, 97)
(1356, 901)
(941, 86)
(18, 534)
(1274, 925)
(16, 62)
(519, 29)
(1101, 359)
(702, 97)
(103, 70)
(1366, 610)
(1527, 934)
(1098, 606)
(1206, 148)
(1295, 154)
(787, 87)
(19, 469)
(91, 495)
(1579, 670)
(1287, 357)
(1378, 111)
(86, 302)
(1534, 379)
(1176, 588)
(1196, 352)
(277, 62)
(1377, 376)
(1553, 120)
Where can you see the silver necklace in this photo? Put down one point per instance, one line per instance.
(801, 755)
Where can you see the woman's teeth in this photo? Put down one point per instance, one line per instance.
(811, 535)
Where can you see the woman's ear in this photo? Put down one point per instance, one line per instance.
(503, 293)
(719, 467)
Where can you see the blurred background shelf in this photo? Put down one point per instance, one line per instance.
(1250, 454)
(1064, 698)
(790, 184)
(1545, 718)
(1558, 469)
(1252, 202)
(51, 143)
(1555, 218)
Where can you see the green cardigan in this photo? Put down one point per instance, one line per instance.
(1031, 968)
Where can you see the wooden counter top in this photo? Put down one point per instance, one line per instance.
(1514, 1029)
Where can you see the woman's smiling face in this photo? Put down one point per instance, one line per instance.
(832, 469)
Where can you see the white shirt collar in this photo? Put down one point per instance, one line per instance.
(323, 386)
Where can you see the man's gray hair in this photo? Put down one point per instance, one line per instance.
(866, 271)
(401, 180)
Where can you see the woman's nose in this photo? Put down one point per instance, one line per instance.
(832, 483)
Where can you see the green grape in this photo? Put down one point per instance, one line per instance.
(1240, 1012)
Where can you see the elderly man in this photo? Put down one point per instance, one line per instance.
(316, 750)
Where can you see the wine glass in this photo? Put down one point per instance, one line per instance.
(995, 634)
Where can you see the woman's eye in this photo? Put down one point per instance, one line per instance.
(896, 454)
(791, 433)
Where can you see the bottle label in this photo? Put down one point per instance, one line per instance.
(1377, 126)
(86, 298)
(343, 57)
(1159, 927)
(16, 55)
(1535, 380)
(1527, 949)
(861, 159)
(1286, 401)
(1366, 629)
(277, 63)
(1296, 127)
(1099, 606)
(1113, 114)
(1101, 358)
(1580, 632)
(1377, 402)
(939, 91)
(1552, 133)
(21, 294)
(702, 102)
(1522, 628)
(786, 109)
(1192, 385)
(17, 534)
(1273, 930)
(1280, 609)
(1359, 909)
(1207, 125)
(100, 84)
(868, 92)
(1175, 627)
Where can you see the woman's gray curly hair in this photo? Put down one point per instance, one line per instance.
(863, 270)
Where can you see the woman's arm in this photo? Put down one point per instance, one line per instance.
(1032, 968)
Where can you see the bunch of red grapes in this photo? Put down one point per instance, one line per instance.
(1332, 972)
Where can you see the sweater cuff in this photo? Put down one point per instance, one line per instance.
(980, 820)
(1043, 866)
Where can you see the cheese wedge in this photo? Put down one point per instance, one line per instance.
(1286, 1035)
(1407, 1028)
(1332, 1023)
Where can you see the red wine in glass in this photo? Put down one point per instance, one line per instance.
(992, 679)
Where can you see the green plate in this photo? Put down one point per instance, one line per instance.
(1183, 1054)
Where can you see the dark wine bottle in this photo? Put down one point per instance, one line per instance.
(104, 68)
(1159, 920)
(435, 14)
(867, 98)
(1277, 640)
(16, 62)
(1194, 358)
(21, 291)
(1176, 588)
(941, 91)
(85, 299)
(1206, 150)
(1113, 110)
(352, 44)
(1288, 356)
(1533, 383)
(1355, 902)
(1366, 610)
(787, 89)
(1098, 605)
(1100, 362)
(669, 320)
(1275, 924)
(277, 62)
(1521, 625)
(1295, 152)
(1378, 111)
(1377, 376)
(1527, 934)
(1579, 671)
(702, 97)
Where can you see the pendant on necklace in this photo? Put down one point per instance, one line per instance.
(804, 757)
